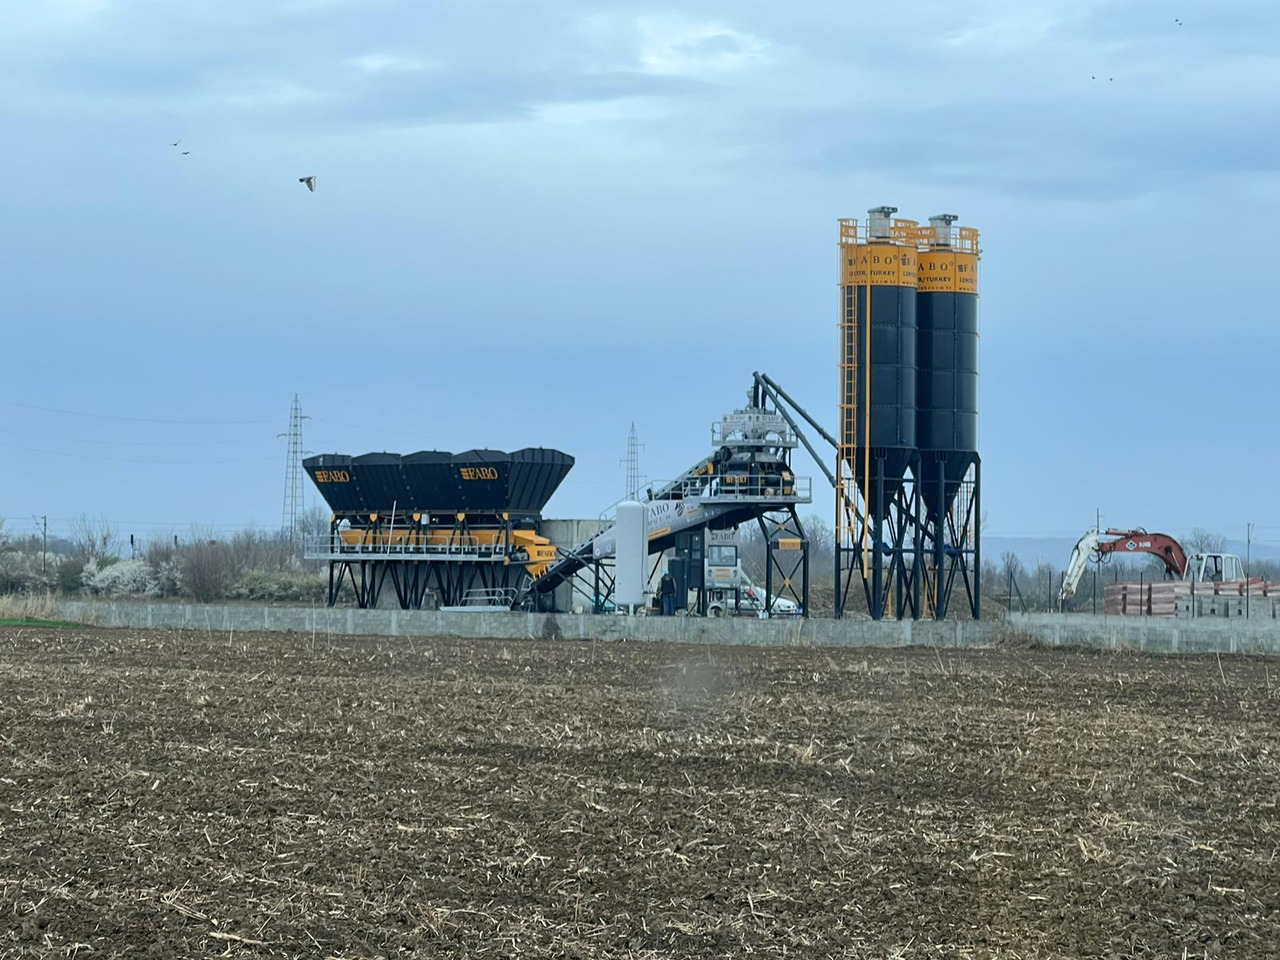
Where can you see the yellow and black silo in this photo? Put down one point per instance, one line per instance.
(876, 507)
(947, 401)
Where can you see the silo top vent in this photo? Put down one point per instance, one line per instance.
(941, 226)
(880, 222)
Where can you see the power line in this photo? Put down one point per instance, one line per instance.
(108, 416)
(336, 423)
(133, 443)
(101, 459)
(249, 527)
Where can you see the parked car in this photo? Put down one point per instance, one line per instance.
(751, 603)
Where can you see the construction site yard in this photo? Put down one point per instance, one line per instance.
(169, 794)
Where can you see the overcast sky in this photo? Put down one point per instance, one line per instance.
(537, 223)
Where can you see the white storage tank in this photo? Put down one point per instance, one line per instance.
(632, 548)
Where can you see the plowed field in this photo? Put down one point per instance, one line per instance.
(180, 795)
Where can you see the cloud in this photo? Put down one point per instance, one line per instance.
(999, 97)
(328, 62)
(477, 97)
(384, 62)
(993, 90)
(50, 15)
(679, 46)
(1016, 29)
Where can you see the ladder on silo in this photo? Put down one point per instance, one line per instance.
(850, 331)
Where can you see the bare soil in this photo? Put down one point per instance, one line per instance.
(180, 795)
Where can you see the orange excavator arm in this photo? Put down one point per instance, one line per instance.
(1092, 547)
(1159, 545)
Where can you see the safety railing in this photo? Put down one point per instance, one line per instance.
(718, 488)
(769, 429)
(959, 239)
(911, 233)
(896, 231)
(458, 546)
(487, 598)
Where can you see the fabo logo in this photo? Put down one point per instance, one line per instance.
(332, 476)
(479, 473)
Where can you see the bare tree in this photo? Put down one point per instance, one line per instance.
(208, 566)
(1041, 589)
(822, 541)
(313, 522)
(1201, 540)
(1011, 564)
(752, 551)
(94, 539)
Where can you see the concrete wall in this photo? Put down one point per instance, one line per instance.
(1151, 634)
(567, 534)
(1096, 632)
(512, 626)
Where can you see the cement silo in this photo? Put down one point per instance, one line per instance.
(876, 509)
(947, 412)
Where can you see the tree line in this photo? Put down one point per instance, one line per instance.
(95, 559)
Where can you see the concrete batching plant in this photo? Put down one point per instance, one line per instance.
(468, 528)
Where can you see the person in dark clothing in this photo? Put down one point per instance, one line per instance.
(667, 593)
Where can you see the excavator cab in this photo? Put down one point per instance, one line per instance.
(1213, 568)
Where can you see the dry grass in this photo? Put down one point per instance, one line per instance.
(34, 606)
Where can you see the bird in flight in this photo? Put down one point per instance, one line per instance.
(310, 182)
(175, 143)
(1177, 21)
(186, 153)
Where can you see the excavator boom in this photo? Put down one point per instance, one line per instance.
(1092, 547)
(1159, 545)
(1083, 552)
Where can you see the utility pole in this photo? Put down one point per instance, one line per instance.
(43, 523)
(1248, 567)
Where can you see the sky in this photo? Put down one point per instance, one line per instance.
(535, 224)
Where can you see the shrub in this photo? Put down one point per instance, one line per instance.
(279, 585)
(20, 573)
(127, 578)
(208, 569)
(69, 576)
(167, 578)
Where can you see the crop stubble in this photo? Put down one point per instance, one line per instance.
(179, 794)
